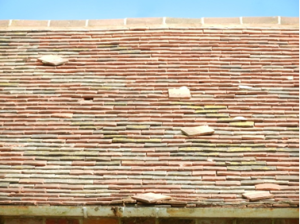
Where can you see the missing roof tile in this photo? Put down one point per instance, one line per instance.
(54, 60)
(88, 98)
(182, 92)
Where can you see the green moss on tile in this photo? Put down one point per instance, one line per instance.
(88, 127)
(118, 48)
(205, 111)
(242, 124)
(239, 168)
(181, 103)
(80, 49)
(130, 140)
(190, 149)
(225, 120)
(82, 123)
(102, 87)
(263, 168)
(8, 84)
(115, 104)
(138, 127)
(215, 107)
(130, 52)
(217, 115)
(114, 136)
(240, 149)
(214, 149)
(108, 46)
(206, 145)
(199, 140)
(195, 107)
(248, 163)
(206, 154)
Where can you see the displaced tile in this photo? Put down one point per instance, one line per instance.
(200, 130)
(215, 107)
(257, 195)
(151, 197)
(182, 92)
(272, 187)
(52, 60)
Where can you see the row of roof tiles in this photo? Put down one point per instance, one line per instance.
(163, 21)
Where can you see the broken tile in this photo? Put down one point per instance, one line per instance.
(151, 197)
(182, 92)
(52, 60)
(270, 187)
(200, 130)
(257, 195)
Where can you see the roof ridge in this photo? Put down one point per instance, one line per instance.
(275, 21)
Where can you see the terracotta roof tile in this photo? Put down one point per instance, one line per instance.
(102, 127)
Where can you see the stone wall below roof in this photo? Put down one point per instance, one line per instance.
(62, 220)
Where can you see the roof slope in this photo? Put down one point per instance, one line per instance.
(102, 127)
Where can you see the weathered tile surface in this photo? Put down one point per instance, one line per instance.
(102, 127)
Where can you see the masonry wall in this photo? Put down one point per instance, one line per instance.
(33, 220)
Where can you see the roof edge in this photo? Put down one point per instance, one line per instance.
(164, 22)
(156, 212)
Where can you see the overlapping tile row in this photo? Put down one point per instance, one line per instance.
(102, 127)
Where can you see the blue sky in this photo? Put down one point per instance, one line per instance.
(116, 9)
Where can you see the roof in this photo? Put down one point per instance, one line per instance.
(102, 127)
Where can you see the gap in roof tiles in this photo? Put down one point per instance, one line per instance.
(54, 60)
(88, 98)
(182, 92)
